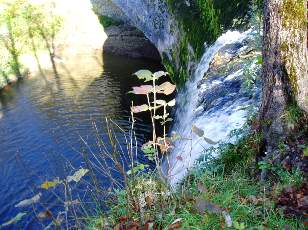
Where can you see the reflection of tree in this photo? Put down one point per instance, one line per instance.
(44, 25)
(26, 28)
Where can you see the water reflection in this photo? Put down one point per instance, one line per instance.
(44, 126)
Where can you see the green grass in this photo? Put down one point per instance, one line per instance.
(227, 183)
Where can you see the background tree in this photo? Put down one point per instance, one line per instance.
(12, 32)
(285, 77)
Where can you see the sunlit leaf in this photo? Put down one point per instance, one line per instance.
(159, 74)
(171, 103)
(199, 132)
(142, 90)
(139, 108)
(161, 102)
(29, 201)
(49, 184)
(144, 74)
(166, 88)
(77, 175)
(157, 117)
(14, 220)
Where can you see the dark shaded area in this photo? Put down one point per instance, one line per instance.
(128, 41)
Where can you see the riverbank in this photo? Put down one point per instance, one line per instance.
(226, 193)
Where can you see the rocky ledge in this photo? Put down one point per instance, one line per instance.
(126, 40)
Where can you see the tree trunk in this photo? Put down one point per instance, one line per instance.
(284, 76)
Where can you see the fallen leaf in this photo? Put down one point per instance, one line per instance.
(49, 184)
(77, 175)
(201, 188)
(166, 88)
(204, 206)
(176, 224)
(149, 201)
(29, 201)
(139, 108)
(14, 220)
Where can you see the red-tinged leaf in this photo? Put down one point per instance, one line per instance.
(45, 214)
(139, 108)
(166, 88)
(142, 90)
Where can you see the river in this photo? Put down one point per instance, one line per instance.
(46, 122)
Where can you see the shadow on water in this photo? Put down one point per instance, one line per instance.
(46, 129)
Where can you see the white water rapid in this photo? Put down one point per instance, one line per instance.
(227, 113)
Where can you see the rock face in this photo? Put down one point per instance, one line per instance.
(149, 16)
(128, 41)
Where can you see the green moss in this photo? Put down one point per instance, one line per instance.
(106, 21)
(294, 14)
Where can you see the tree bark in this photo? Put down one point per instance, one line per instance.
(285, 66)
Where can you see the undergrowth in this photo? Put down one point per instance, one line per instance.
(227, 186)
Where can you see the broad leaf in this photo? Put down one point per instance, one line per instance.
(199, 132)
(159, 74)
(166, 88)
(77, 175)
(161, 102)
(14, 220)
(142, 90)
(49, 184)
(139, 108)
(144, 74)
(29, 201)
(171, 103)
(210, 141)
(44, 214)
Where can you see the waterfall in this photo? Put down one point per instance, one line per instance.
(217, 121)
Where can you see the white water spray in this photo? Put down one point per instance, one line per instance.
(216, 123)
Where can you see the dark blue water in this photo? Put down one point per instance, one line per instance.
(50, 126)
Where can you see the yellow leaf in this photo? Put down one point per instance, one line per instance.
(49, 184)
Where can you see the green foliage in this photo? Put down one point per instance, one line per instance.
(24, 28)
(106, 21)
(241, 154)
(293, 114)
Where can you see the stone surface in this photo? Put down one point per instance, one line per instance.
(128, 41)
